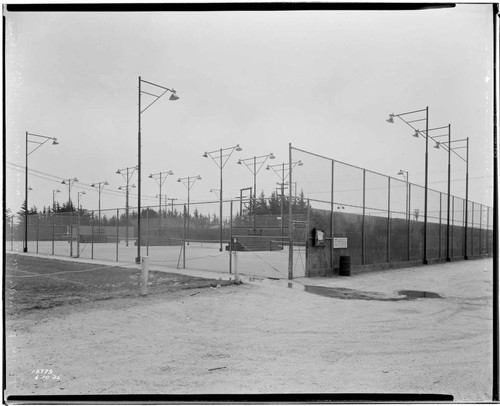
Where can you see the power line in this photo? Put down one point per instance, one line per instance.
(80, 185)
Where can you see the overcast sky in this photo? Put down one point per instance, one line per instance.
(324, 81)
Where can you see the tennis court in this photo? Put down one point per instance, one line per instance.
(201, 255)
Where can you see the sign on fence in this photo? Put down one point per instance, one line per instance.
(340, 242)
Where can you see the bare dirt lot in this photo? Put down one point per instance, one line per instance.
(265, 337)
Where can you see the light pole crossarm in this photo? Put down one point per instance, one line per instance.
(160, 178)
(190, 181)
(129, 172)
(218, 155)
(409, 112)
(284, 176)
(254, 161)
(165, 90)
(40, 143)
(161, 87)
(447, 146)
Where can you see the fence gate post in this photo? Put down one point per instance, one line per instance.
(184, 240)
(452, 225)
(440, 215)
(472, 231)
(388, 219)
(409, 219)
(92, 237)
(147, 231)
(231, 235)
(53, 229)
(37, 231)
(290, 242)
(117, 231)
(363, 253)
(12, 233)
(331, 214)
(481, 250)
(487, 230)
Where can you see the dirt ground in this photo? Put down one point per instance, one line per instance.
(267, 336)
(37, 282)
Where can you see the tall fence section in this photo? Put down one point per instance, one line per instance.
(375, 219)
(337, 210)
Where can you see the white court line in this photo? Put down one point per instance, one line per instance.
(48, 276)
(59, 273)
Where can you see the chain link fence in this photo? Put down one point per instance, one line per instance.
(381, 219)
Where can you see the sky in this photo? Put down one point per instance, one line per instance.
(322, 81)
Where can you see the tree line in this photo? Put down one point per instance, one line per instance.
(261, 206)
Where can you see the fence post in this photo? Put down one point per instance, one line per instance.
(290, 223)
(92, 237)
(144, 275)
(464, 229)
(70, 238)
(184, 240)
(409, 220)
(487, 230)
(231, 235)
(332, 186)
(363, 253)
(12, 233)
(37, 231)
(452, 225)
(117, 231)
(480, 225)
(147, 231)
(53, 229)
(472, 231)
(388, 219)
(440, 215)
(236, 272)
(78, 232)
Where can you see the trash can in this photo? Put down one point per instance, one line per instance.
(345, 266)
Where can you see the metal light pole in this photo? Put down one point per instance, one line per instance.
(54, 199)
(417, 131)
(100, 186)
(223, 154)
(127, 174)
(173, 97)
(39, 140)
(78, 199)
(160, 179)
(251, 164)
(283, 178)
(127, 188)
(69, 182)
(448, 146)
(172, 204)
(188, 182)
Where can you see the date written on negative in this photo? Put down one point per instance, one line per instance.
(45, 374)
